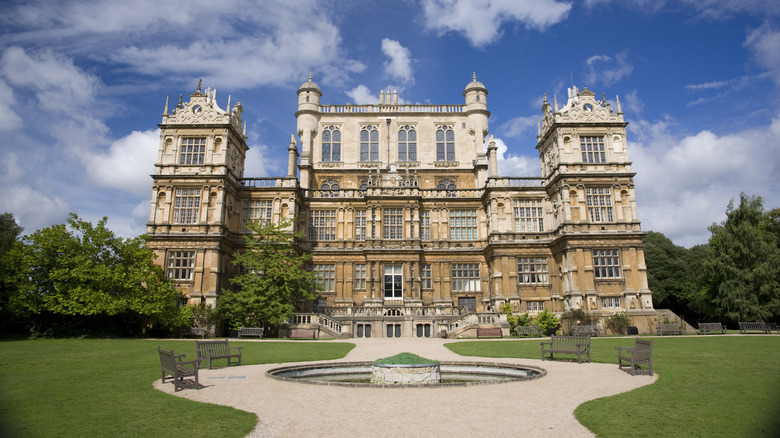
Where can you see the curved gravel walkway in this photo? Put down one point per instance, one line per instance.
(537, 408)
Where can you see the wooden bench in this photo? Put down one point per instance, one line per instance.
(303, 333)
(744, 327)
(669, 329)
(195, 331)
(492, 332)
(772, 327)
(640, 354)
(173, 366)
(706, 327)
(250, 331)
(218, 349)
(579, 345)
(528, 330)
(583, 330)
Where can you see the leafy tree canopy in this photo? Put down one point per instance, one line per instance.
(745, 265)
(675, 275)
(82, 271)
(274, 277)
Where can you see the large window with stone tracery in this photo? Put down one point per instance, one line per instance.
(322, 225)
(193, 150)
(369, 144)
(592, 149)
(331, 144)
(599, 204)
(445, 144)
(186, 206)
(407, 144)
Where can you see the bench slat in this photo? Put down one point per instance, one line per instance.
(579, 345)
(218, 349)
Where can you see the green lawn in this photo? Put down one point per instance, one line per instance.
(103, 388)
(710, 386)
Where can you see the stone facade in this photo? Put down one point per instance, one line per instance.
(413, 232)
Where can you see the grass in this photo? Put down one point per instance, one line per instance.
(103, 387)
(405, 359)
(711, 386)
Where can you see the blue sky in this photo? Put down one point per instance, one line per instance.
(83, 85)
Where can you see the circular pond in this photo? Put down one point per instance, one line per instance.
(358, 374)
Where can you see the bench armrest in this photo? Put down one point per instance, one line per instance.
(620, 349)
(236, 348)
(545, 342)
(195, 363)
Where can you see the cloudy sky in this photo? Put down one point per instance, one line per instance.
(83, 85)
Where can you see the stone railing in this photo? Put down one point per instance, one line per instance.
(476, 319)
(386, 108)
(395, 191)
(342, 311)
(267, 182)
(516, 182)
(316, 318)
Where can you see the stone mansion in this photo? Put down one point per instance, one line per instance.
(413, 231)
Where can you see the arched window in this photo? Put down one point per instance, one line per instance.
(331, 144)
(445, 144)
(448, 185)
(407, 144)
(369, 144)
(331, 188)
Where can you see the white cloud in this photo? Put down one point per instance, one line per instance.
(399, 63)
(58, 84)
(9, 120)
(708, 9)
(707, 85)
(127, 164)
(361, 95)
(511, 165)
(765, 44)
(519, 126)
(631, 103)
(606, 70)
(684, 183)
(480, 21)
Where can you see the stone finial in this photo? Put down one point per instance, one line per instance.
(179, 105)
(165, 111)
(555, 99)
(199, 81)
(309, 76)
(617, 99)
(474, 76)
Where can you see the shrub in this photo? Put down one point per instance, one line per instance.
(515, 321)
(547, 321)
(580, 317)
(618, 323)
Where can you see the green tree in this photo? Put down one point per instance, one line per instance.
(79, 278)
(744, 267)
(11, 316)
(674, 274)
(274, 278)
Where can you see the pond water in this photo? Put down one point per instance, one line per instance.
(358, 374)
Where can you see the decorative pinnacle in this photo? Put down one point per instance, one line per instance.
(199, 81)
(309, 76)
(474, 76)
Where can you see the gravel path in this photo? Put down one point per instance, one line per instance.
(537, 408)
